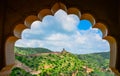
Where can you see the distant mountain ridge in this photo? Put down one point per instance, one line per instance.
(102, 54)
(29, 50)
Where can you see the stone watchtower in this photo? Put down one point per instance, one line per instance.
(63, 51)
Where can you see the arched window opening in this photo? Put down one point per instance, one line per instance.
(30, 20)
(62, 44)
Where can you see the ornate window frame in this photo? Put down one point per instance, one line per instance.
(9, 45)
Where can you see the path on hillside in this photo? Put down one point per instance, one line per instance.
(25, 67)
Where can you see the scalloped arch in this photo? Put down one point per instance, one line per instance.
(9, 50)
(18, 30)
(58, 6)
(30, 19)
(74, 11)
(113, 50)
(89, 17)
(102, 27)
(43, 13)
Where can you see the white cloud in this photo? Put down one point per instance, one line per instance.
(61, 31)
(28, 43)
(58, 37)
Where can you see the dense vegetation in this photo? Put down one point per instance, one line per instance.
(20, 72)
(63, 63)
(99, 62)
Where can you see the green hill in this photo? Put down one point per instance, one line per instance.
(99, 62)
(63, 63)
(99, 59)
(28, 50)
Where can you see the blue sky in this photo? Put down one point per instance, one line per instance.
(64, 31)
